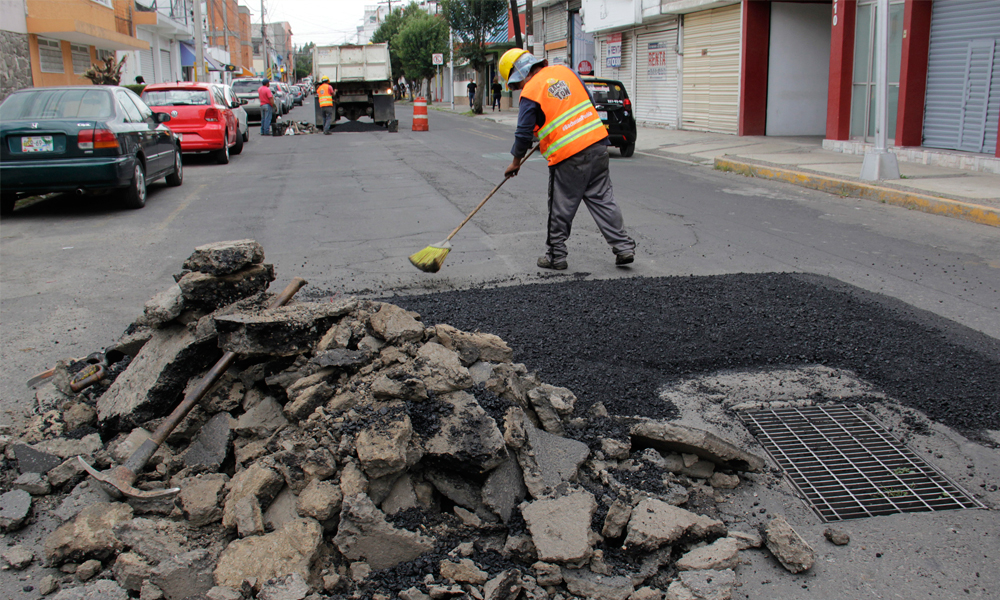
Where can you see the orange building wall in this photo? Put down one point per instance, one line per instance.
(246, 41)
(67, 77)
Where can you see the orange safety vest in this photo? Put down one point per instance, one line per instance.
(571, 121)
(325, 94)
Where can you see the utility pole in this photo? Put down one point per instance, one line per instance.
(263, 40)
(199, 42)
(517, 24)
(879, 163)
(451, 65)
(529, 26)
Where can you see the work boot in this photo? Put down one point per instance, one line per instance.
(624, 259)
(547, 263)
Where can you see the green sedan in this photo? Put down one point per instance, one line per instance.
(84, 139)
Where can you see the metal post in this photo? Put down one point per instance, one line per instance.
(199, 42)
(263, 40)
(879, 163)
(451, 65)
(529, 27)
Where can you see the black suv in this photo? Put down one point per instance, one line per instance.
(615, 109)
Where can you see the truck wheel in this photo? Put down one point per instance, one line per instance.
(393, 126)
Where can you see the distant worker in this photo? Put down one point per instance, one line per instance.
(556, 106)
(497, 91)
(140, 80)
(472, 92)
(266, 106)
(324, 93)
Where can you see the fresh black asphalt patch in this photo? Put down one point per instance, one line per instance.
(619, 341)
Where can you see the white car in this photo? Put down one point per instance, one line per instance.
(242, 121)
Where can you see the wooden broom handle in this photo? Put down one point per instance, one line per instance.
(475, 210)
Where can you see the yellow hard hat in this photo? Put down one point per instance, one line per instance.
(325, 78)
(515, 64)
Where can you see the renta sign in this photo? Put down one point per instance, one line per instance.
(613, 58)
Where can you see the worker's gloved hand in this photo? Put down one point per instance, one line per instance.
(511, 171)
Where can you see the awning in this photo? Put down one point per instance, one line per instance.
(214, 65)
(187, 55)
(245, 72)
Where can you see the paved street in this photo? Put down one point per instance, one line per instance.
(344, 211)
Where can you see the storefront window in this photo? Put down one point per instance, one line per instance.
(865, 70)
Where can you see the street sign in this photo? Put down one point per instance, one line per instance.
(437, 59)
(585, 68)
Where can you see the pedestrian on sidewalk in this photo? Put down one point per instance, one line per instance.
(472, 92)
(325, 93)
(266, 106)
(497, 91)
(556, 106)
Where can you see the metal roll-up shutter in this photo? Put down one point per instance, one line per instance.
(556, 23)
(962, 105)
(622, 73)
(166, 73)
(146, 57)
(655, 94)
(711, 83)
(559, 56)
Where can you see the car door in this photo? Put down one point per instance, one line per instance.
(161, 141)
(138, 138)
(232, 129)
(238, 112)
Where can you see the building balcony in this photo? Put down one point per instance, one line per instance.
(85, 22)
(171, 18)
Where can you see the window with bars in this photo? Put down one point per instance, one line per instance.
(103, 54)
(81, 58)
(50, 56)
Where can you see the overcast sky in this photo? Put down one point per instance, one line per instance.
(323, 22)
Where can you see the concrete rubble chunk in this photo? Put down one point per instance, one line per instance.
(131, 570)
(837, 537)
(35, 484)
(89, 535)
(186, 575)
(673, 437)
(504, 488)
(721, 554)
(468, 439)
(289, 587)
(84, 494)
(586, 584)
(70, 471)
(655, 523)
(200, 498)
(382, 446)
(211, 446)
(79, 415)
(548, 460)
(551, 404)
(257, 482)
(102, 589)
(472, 347)
(202, 291)
(88, 570)
(63, 447)
(249, 517)
(462, 491)
(18, 557)
(364, 534)
(463, 571)
(48, 585)
(702, 585)
(152, 384)
(308, 393)
(291, 549)
(321, 500)
(788, 546)
(155, 540)
(617, 518)
(163, 307)
(261, 419)
(222, 258)
(30, 460)
(646, 593)
(395, 325)
(342, 358)
(283, 331)
(223, 593)
(441, 369)
(746, 540)
(505, 586)
(560, 527)
(282, 510)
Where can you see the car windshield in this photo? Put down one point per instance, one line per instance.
(176, 97)
(606, 91)
(57, 104)
(245, 86)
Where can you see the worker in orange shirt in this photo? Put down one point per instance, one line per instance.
(325, 93)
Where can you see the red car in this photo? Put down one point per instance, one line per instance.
(199, 115)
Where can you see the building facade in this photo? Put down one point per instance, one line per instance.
(15, 56)
(165, 26)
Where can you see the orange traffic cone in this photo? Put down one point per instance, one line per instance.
(420, 114)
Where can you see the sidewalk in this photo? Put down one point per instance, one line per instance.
(969, 195)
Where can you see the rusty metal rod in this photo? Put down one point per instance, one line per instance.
(124, 476)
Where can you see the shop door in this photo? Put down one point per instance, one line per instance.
(711, 88)
(655, 94)
(865, 70)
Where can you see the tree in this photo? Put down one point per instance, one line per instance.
(474, 22)
(420, 37)
(110, 73)
(388, 31)
(304, 61)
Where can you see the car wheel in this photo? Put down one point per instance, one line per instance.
(7, 203)
(135, 194)
(177, 177)
(246, 134)
(239, 144)
(222, 156)
(628, 150)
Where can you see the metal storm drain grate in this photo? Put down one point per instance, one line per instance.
(848, 466)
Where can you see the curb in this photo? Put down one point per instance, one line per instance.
(968, 211)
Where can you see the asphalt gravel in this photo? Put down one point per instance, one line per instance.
(619, 341)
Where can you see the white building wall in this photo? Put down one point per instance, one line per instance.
(798, 68)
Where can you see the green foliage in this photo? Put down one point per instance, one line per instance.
(474, 22)
(304, 61)
(388, 31)
(420, 37)
(136, 87)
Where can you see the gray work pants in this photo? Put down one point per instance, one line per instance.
(584, 177)
(327, 118)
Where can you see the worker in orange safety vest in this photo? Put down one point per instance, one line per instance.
(556, 107)
(325, 93)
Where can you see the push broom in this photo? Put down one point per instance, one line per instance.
(432, 257)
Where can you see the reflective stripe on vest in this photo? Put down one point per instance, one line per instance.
(571, 121)
(325, 94)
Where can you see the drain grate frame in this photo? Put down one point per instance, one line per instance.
(847, 465)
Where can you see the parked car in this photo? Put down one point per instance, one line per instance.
(200, 116)
(615, 109)
(246, 89)
(297, 95)
(242, 120)
(289, 98)
(84, 139)
(280, 99)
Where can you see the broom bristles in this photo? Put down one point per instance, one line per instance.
(430, 259)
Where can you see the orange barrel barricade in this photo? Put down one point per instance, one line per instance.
(420, 114)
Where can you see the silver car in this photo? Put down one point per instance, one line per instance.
(246, 89)
(242, 119)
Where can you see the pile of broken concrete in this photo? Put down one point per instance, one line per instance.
(353, 451)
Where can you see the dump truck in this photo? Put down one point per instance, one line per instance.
(362, 77)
